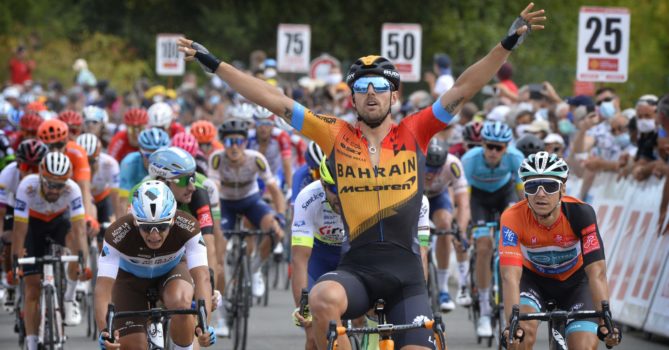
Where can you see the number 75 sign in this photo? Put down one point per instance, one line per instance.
(293, 48)
(603, 44)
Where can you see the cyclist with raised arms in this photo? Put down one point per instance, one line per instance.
(155, 246)
(444, 170)
(551, 249)
(236, 170)
(49, 204)
(381, 165)
(134, 167)
(318, 234)
(491, 173)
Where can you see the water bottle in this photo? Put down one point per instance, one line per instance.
(156, 334)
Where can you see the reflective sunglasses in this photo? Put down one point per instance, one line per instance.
(148, 227)
(432, 169)
(264, 123)
(494, 147)
(183, 181)
(380, 84)
(53, 185)
(606, 99)
(472, 145)
(230, 141)
(550, 186)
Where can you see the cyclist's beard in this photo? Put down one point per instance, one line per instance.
(374, 123)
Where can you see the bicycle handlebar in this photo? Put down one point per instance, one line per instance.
(47, 259)
(244, 233)
(455, 232)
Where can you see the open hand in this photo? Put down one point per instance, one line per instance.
(533, 19)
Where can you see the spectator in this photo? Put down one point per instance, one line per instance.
(506, 87)
(443, 81)
(540, 128)
(20, 67)
(522, 121)
(607, 101)
(84, 76)
(554, 143)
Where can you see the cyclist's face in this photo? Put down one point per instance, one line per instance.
(133, 134)
(543, 203)
(52, 190)
(264, 131)
(332, 198)
(373, 105)
(234, 147)
(93, 127)
(493, 152)
(154, 237)
(183, 194)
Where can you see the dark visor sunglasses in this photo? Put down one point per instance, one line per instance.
(149, 227)
(493, 147)
(53, 185)
(550, 186)
(234, 141)
(379, 84)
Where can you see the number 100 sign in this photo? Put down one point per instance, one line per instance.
(603, 44)
(293, 49)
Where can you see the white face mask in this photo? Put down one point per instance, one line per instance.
(521, 129)
(645, 125)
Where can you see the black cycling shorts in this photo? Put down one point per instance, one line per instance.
(8, 224)
(570, 295)
(488, 206)
(382, 270)
(36, 244)
(105, 213)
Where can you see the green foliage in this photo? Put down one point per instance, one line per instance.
(118, 37)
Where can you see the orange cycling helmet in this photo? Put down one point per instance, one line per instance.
(36, 107)
(30, 122)
(71, 117)
(52, 131)
(136, 117)
(204, 131)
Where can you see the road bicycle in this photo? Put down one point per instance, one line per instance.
(386, 330)
(557, 323)
(51, 331)
(432, 282)
(157, 331)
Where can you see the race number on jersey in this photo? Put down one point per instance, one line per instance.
(603, 44)
(401, 44)
(169, 61)
(293, 48)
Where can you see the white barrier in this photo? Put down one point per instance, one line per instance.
(628, 213)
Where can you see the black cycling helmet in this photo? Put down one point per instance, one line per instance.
(472, 132)
(437, 152)
(529, 144)
(373, 65)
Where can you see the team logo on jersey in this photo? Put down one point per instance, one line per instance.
(394, 187)
(76, 203)
(328, 120)
(590, 243)
(204, 216)
(299, 223)
(105, 251)
(455, 169)
(261, 164)
(509, 238)
(216, 161)
(21, 205)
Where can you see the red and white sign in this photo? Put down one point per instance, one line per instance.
(321, 67)
(293, 48)
(603, 44)
(169, 61)
(401, 43)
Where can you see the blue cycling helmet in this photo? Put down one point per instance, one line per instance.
(152, 139)
(170, 163)
(496, 132)
(153, 202)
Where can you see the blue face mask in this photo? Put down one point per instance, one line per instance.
(607, 110)
(566, 127)
(623, 140)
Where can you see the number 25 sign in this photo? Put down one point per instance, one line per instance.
(603, 44)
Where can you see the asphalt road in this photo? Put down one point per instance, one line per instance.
(271, 328)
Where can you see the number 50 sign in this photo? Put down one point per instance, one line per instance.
(603, 44)
(293, 48)
(401, 44)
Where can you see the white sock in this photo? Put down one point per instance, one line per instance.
(463, 269)
(70, 290)
(31, 342)
(177, 347)
(484, 301)
(442, 278)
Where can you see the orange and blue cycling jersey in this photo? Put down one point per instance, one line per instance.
(380, 203)
(556, 252)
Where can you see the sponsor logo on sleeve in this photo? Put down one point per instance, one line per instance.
(261, 164)
(120, 232)
(76, 203)
(20, 205)
(204, 216)
(590, 241)
(455, 169)
(509, 238)
(216, 161)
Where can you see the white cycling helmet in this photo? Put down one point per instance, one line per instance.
(544, 164)
(242, 111)
(153, 202)
(55, 166)
(160, 115)
(90, 143)
(95, 113)
(262, 114)
(314, 155)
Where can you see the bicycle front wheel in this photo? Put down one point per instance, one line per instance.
(50, 327)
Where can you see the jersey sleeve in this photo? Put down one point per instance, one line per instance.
(320, 128)
(5, 181)
(82, 170)
(116, 145)
(108, 262)
(516, 161)
(468, 164)
(76, 203)
(509, 242)
(264, 171)
(424, 223)
(202, 210)
(115, 174)
(427, 122)
(592, 245)
(22, 206)
(456, 172)
(214, 198)
(285, 145)
(127, 176)
(299, 177)
(303, 227)
(213, 170)
(196, 252)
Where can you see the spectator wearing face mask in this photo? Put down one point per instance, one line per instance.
(607, 101)
(646, 110)
(554, 143)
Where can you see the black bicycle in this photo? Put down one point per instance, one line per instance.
(237, 291)
(159, 320)
(557, 323)
(432, 282)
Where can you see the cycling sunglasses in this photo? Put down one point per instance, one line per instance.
(148, 227)
(332, 188)
(494, 147)
(432, 169)
(606, 99)
(234, 141)
(184, 180)
(53, 185)
(550, 186)
(93, 122)
(56, 145)
(75, 131)
(380, 84)
(205, 146)
(472, 145)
